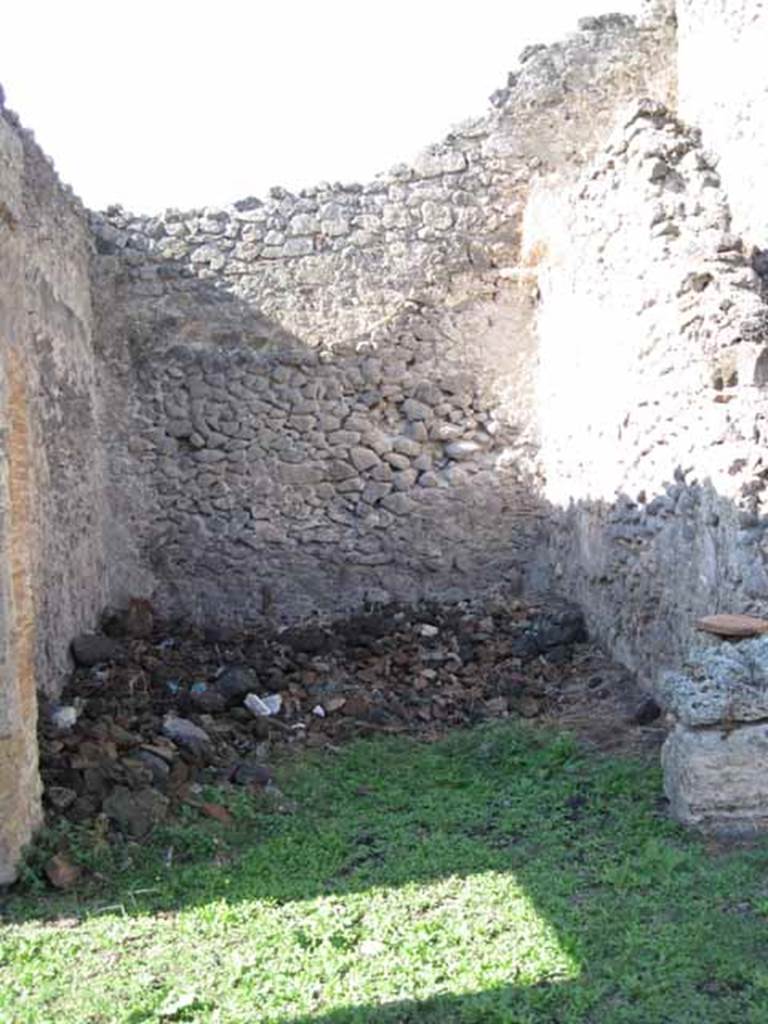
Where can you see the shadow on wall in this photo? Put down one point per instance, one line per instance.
(264, 477)
(260, 477)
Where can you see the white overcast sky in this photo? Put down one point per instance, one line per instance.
(157, 103)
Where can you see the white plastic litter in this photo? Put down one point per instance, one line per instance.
(64, 716)
(263, 707)
(318, 710)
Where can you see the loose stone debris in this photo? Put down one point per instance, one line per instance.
(174, 709)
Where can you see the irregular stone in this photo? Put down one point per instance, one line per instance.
(84, 808)
(363, 459)
(293, 247)
(374, 490)
(252, 773)
(433, 164)
(186, 734)
(339, 470)
(303, 224)
(61, 872)
(60, 797)
(209, 702)
(405, 479)
(236, 682)
(397, 461)
(722, 684)
(136, 812)
(437, 216)
(91, 649)
(646, 712)
(307, 640)
(461, 450)
(417, 431)
(406, 446)
(414, 410)
(63, 717)
(217, 812)
(135, 773)
(398, 504)
(159, 769)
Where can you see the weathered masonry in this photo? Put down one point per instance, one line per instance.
(536, 354)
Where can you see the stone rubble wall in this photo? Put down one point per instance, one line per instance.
(537, 354)
(335, 263)
(331, 394)
(52, 483)
(274, 481)
(653, 334)
(723, 84)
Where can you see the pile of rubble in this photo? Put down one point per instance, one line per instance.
(152, 714)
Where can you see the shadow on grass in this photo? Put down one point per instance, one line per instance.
(555, 870)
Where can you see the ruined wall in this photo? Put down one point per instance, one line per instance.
(331, 395)
(653, 332)
(52, 487)
(723, 82)
(536, 355)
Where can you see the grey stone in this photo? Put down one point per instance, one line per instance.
(236, 682)
(429, 479)
(405, 479)
(414, 410)
(398, 461)
(398, 504)
(136, 812)
(186, 734)
(91, 649)
(363, 459)
(374, 490)
(461, 450)
(60, 797)
(717, 780)
(339, 470)
(159, 769)
(405, 446)
(725, 683)
(252, 773)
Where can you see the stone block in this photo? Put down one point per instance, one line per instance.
(717, 780)
(363, 458)
(722, 684)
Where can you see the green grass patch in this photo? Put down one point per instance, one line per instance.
(501, 875)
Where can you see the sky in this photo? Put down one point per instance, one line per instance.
(190, 103)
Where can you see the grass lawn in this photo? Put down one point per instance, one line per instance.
(501, 875)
